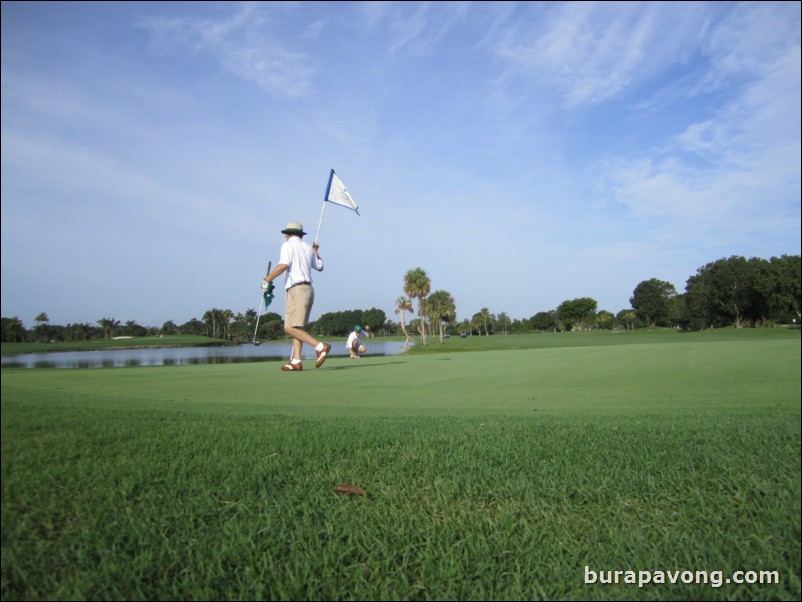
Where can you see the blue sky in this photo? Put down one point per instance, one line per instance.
(523, 154)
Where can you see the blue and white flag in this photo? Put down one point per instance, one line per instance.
(338, 194)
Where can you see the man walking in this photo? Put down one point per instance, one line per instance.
(296, 261)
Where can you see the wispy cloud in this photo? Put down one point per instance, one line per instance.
(414, 28)
(726, 161)
(740, 164)
(245, 44)
(591, 52)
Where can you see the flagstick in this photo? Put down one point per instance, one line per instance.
(321, 221)
(325, 198)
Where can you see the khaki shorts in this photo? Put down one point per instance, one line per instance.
(298, 306)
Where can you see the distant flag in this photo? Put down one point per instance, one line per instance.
(336, 193)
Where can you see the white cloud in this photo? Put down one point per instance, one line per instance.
(419, 32)
(748, 152)
(246, 44)
(590, 52)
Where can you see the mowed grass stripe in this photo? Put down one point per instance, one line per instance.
(683, 376)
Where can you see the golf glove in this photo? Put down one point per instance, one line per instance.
(267, 288)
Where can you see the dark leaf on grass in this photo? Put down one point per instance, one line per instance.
(349, 489)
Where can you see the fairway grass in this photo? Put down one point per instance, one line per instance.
(498, 474)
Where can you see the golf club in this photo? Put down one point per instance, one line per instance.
(261, 300)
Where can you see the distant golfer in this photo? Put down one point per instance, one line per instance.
(296, 261)
(354, 342)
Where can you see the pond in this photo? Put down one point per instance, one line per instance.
(177, 356)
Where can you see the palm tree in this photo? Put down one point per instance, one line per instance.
(417, 286)
(239, 326)
(403, 305)
(485, 317)
(441, 305)
(628, 317)
(226, 316)
(108, 325)
(503, 320)
(476, 323)
(134, 329)
(79, 332)
(41, 327)
(211, 318)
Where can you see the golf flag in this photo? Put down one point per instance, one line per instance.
(338, 194)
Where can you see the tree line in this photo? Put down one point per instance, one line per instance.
(732, 291)
(215, 323)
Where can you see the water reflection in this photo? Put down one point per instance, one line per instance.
(177, 356)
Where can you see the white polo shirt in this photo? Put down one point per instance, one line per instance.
(300, 259)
